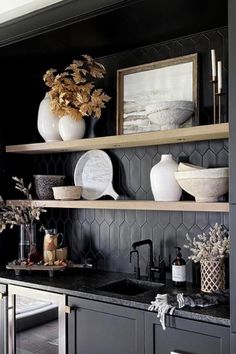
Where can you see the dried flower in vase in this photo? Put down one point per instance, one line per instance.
(209, 247)
(73, 91)
(19, 215)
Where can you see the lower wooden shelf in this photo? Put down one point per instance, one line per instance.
(126, 205)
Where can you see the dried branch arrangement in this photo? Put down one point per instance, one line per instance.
(73, 92)
(209, 247)
(18, 215)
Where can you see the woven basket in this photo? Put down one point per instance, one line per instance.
(212, 276)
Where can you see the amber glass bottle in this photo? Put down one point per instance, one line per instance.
(179, 269)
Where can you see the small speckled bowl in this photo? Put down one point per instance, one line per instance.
(67, 192)
(44, 184)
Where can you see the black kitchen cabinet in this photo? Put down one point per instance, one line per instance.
(3, 324)
(232, 273)
(184, 336)
(100, 328)
(96, 327)
(232, 147)
(232, 90)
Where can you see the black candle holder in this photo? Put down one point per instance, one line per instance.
(214, 84)
(219, 95)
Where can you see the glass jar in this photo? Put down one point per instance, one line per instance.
(27, 244)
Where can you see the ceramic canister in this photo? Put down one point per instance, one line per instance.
(71, 129)
(47, 121)
(163, 182)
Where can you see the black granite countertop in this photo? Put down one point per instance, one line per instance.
(84, 283)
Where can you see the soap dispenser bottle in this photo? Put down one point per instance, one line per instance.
(178, 269)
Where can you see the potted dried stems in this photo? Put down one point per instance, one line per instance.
(210, 250)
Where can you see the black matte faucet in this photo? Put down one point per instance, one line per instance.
(137, 269)
(150, 263)
(151, 268)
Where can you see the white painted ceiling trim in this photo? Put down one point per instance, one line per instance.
(11, 9)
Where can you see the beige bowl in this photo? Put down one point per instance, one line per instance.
(184, 166)
(206, 185)
(169, 114)
(67, 192)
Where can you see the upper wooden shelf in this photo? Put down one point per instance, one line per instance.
(198, 133)
(126, 205)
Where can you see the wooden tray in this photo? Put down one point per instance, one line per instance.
(35, 267)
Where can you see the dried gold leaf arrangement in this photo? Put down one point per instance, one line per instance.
(73, 92)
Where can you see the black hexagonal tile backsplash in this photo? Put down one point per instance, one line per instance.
(107, 235)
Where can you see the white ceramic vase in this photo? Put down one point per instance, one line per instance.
(163, 182)
(71, 129)
(47, 121)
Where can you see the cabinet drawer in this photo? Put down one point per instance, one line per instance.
(185, 337)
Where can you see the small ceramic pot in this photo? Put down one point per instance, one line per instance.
(44, 184)
(71, 129)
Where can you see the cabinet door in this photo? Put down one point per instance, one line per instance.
(184, 337)
(232, 268)
(36, 321)
(232, 90)
(100, 328)
(3, 323)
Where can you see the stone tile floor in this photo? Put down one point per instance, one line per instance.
(38, 340)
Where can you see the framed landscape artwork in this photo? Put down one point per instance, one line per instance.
(149, 95)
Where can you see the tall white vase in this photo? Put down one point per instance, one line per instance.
(70, 128)
(47, 121)
(163, 182)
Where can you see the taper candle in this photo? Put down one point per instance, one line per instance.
(219, 74)
(213, 63)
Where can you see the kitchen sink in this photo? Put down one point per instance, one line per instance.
(130, 287)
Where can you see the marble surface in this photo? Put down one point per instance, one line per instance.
(85, 283)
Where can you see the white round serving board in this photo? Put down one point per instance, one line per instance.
(94, 173)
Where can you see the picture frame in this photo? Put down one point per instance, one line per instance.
(143, 88)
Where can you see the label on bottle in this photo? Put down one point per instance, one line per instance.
(179, 273)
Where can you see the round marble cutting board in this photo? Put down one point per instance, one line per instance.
(94, 173)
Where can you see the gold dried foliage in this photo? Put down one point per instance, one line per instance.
(11, 215)
(73, 91)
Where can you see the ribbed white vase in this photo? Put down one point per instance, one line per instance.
(163, 182)
(71, 129)
(47, 121)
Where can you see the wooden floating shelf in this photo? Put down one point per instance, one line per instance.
(126, 205)
(181, 135)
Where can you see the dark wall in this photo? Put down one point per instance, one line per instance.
(200, 43)
(107, 235)
(29, 88)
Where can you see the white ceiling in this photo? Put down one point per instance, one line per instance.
(10, 9)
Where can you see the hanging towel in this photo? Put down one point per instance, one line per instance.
(166, 303)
